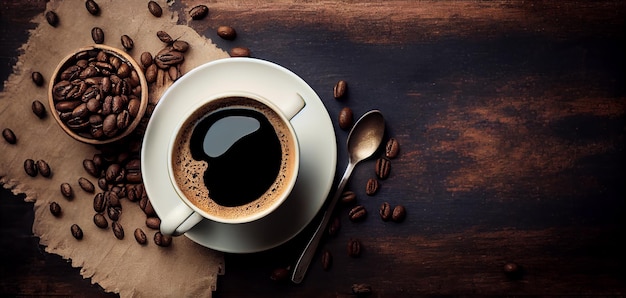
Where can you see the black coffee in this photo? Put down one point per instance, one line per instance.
(241, 148)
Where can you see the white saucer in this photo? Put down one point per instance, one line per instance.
(313, 127)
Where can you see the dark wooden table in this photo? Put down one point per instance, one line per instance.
(511, 120)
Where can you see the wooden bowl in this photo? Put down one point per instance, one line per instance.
(69, 100)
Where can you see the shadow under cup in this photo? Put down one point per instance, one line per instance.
(234, 159)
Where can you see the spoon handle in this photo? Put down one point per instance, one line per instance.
(309, 251)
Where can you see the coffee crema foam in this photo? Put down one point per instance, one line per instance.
(189, 172)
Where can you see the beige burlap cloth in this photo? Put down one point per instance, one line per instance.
(121, 266)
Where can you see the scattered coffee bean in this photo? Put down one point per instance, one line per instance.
(102, 184)
(118, 230)
(164, 37)
(97, 34)
(358, 213)
(55, 209)
(151, 73)
(327, 260)
(385, 211)
(162, 240)
(100, 221)
(399, 213)
(153, 223)
(99, 203)
(334, 226)
(155, 9)
(173, 73)
(77, 232)
(383, 167)
(361, 289)
(199, 12)
(145, 59)
(354, 248)
(66, 190)
(92, 7)
(226, 32)
(168, 57)
(180, 45)
(114, 213)
(9, 136)
(39, 109)
(112, 199)
(52, 18)
(280, 274)
(127, 42)
(115, 173)
(140, 236)
(86, 185)
(44, 168)
(30, 167)
(91, 168)
(348, 197)
(148, 209)
(392, 148)
(240, 52)
(37, 78)
(339, 91)
(371, 187)
(345, 118)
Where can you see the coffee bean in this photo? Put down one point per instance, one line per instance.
(133, 192)
(145, 59)
(383, 167)
(133, 171)
(99, 203)
(240, 52)
(153, 223)
(164, 37)
(92, 7)
(91, 168)
(151, 73)
(127, 42)
(140, 236)
(392, 148)
(100, 221)
(66, 190)
(280, 274)
(371, 187)
(168, 57)
(339, 91)
(86, 185)
(112, 199)
(199, 12)
(37, 78)
(361, 289)
(115, 173)
(180, 46)
(348, 197)
(114, 213)
(118, 230)
(358, 213)
(9, 136)
(155, 9)
(97, 34)
(148, 209)
(385, 211)
(30, 167)
(399, 213)
(44, 168)
(226, 32)
(354, 248)
(102, 184)
(52, 18)
(77, 232)
(162, 240)
(513, 270)
(345, 118)
(55, 209)
(327, 260)
(173, 73)
(39, 109)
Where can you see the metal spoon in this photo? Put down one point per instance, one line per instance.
(363, 140)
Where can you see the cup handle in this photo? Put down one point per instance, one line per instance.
(179, 220)
(290, 106)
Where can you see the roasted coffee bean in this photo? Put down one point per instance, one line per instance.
(361, 289)
(167, 58)
(345, 118)
(180, 46)
(133, 192)
(103, 184)
(151, 73)
(385, 211)
(100, 221)
(44, 168)
(77, 232)
(99, 203)
(327, 260)
(140, 236)
(164, 37)
(173, 73)
(148, 209)
(153, 223)
(339, 91)
(371, 187)
(162, 240)
(112, 199)
(86, 185)
(127, 42)
(52, 18)
(30, 167)
(383, 167)
(109, 125)
(91, 168)
(97, 34)
(9, 136)
(392, 148)
(354, 248)
(348, 197)
(280, 274)
(114, 213)
(55, 209)
(92, 7)
(145, 59)
(399, 213)
(240, 52)
(115, 173)
(66, 190)
(226, 32)
(334, 226)
(39, 109)
(155, 9)
(37, 78)
(358, 213)
(118, 230)
(199, 12)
